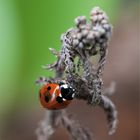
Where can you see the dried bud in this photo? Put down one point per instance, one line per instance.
(79, 21)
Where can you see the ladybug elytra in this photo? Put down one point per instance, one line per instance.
(56, 96)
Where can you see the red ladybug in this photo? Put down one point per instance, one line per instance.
(56, 96)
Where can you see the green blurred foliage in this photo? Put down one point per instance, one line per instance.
(27, 29)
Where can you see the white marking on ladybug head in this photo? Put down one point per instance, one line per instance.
(65, 86)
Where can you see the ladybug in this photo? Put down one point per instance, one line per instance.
(56, 96)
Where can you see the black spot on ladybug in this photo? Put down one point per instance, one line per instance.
(47, 99)
(48, 88)
(59, 99)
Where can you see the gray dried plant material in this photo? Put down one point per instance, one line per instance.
(86, 41)
(105, 103)
(74, 128)
(53, 120)
(48, 125)
(111, 112)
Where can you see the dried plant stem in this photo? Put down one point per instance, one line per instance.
(86, 40)
(76, 131)
(48, 125)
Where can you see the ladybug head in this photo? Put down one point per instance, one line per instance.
(67, 91)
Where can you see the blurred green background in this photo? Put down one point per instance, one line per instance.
(27, 29)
